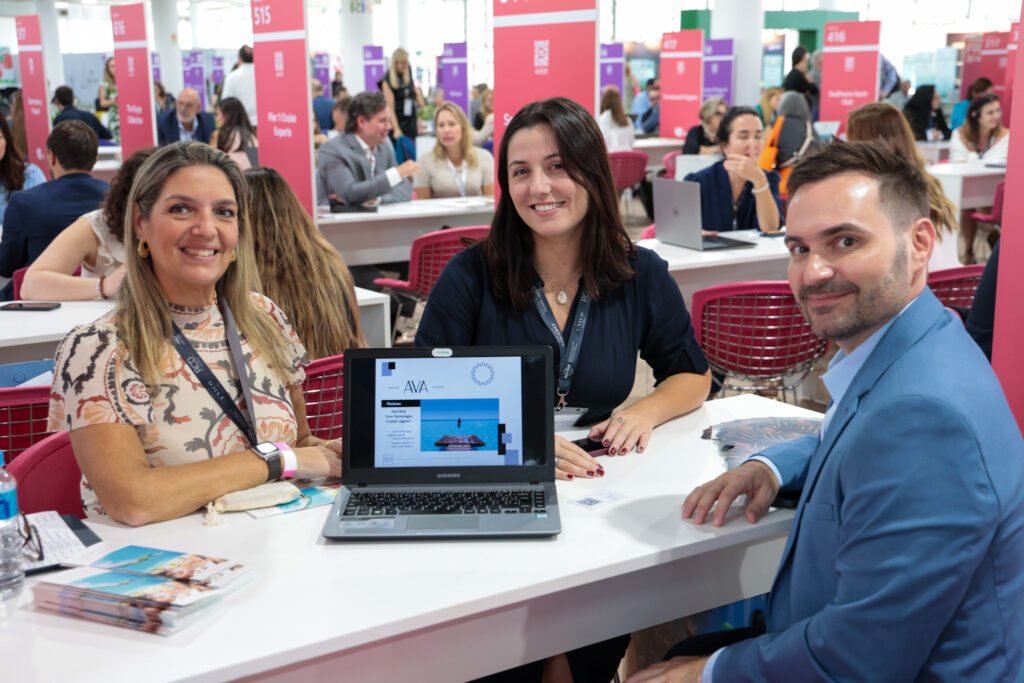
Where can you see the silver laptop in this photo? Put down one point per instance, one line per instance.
(677, 213)
(447, 443)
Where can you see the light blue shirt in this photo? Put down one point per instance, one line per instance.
(33, 177)
(187, 135)
(641, 103)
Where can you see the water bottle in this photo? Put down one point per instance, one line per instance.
(12, 561)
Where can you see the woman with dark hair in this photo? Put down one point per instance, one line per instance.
(558, 269)
(18, 135)
(15, 173)
(735, 193)
(94, 242)
(924, 112)
(234, 132)
(982, 136)
(978, 87)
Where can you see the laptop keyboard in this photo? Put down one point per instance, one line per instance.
(380, 504)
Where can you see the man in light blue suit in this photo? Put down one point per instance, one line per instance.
(906, 557)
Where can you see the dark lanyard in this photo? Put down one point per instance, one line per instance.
(569, 357)
(212, 384)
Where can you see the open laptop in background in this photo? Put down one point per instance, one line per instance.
(677, 213)
(447, 443)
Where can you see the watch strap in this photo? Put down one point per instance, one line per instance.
(273, 461)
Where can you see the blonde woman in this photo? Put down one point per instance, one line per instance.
(455, 168)
(485, 118)
(108, 99)
(402, 96)
(768, 104)
(192, 387)
(322, 309)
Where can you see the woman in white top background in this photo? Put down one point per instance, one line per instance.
(455, 168)
(615, 126)
(982, 136)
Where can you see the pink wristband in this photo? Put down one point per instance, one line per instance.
(289, 463)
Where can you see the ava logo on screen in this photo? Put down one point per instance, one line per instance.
(541, 57)
(414, 387)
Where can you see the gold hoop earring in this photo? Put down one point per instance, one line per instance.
(234, 255)
(143, 249)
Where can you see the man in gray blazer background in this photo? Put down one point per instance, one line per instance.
(359, 166)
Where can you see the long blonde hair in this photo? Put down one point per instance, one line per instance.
(300, 270)
(466, 143)
(143, 311)
(767, 110)
(393, 78)
(883, 122)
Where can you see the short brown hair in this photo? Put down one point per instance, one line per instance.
(74, 144)
(902, 186)
(366, 104)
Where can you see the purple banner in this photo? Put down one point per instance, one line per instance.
(154, 60)
(718, 66)
(322, 70)
(192, 72)
(373, 65)
(454, 76)
(217, 70)
(613, 66)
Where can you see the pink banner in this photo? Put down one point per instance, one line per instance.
(993, 60)
(33, 89)
(972, 62)
(541, 53)
(134, 80)
(682, 81)
(849, 69)
(1011, 64)
(283, 94)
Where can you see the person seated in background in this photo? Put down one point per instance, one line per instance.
(648, 121)
(15, 173)
(978, 87)
(155, 443)
(642, 100)
(701, 139)
(475, 102)
(94, 242)
(924, 111)
(187, 121)
(485, 109)
(323, 310)
(234, 133)
(615, 126)
(982, 314)
(162, 100)
(982, 136)
(322, 106)
(798, 79)
(735, 194)
(339, 117)
(484, 135)
(905, 561)
(434, 102)
(769, 103)
(359, 166)
(34, 217)
(792, 136)
(455, 168)
(900, 96)
(64, 99)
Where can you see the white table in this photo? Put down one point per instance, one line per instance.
(691, 163)
(435, 611)
(34, 335)
(969, 185)
(109, 152)
(693, 270)
(934, 152)
(387, 234)
(656, 149)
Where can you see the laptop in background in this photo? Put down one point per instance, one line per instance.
(447, 443)
(677, 213)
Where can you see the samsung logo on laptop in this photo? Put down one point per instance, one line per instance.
(453, 475)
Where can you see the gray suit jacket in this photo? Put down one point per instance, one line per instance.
(344, 170)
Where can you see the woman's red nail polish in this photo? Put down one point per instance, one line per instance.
(600, 473)
(590, 473)
(605, 444)
(568, 476)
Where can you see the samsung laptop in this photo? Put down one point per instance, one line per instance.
(677, 214)
(447, 443)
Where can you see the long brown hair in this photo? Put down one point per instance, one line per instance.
(612, 100)
(605, 247)
(12, 166)
(236, 121)
(971, 133)
(18, 124)
(116, 201)
(300, 271)
(883, 122)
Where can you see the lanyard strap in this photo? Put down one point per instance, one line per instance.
(571, 353)
(212, 384)
(460, 175)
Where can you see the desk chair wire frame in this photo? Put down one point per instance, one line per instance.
(955, 287)
(324, 394)
(24, 412)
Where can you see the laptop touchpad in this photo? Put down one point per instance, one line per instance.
(442, 522)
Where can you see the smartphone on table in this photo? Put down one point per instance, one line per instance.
(31, 306)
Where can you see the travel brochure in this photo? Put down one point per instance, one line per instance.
(740, 439)
(311, 497)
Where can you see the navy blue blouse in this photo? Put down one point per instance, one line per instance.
(716, 199)
(646, 314)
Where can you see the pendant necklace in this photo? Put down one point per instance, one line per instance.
(562, 297)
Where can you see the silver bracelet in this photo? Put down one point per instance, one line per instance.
(761, 189)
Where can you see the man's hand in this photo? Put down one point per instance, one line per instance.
(675, 670)
(754, 479)
(409, 168)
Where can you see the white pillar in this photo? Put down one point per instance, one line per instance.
(356, 31)
(53, 62)
(743, 21)
(165, 37)
(194, 20)
(405, 10)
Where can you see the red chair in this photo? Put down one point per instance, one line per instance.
(628, 168)
(16, 279)
(649, 233)
(956, 286)
(669, 161)
(754, 331)
(23, 416)
(323, 389)
(430, 254)
(48, 477)
(995, 216)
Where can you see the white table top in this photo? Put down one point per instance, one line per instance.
(971, 169)
(421, 208)
(681, 258)
(643, 144)
(317, 599)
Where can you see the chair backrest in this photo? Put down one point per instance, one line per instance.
(16, 279)
(754, 330)
(669, 162)
(956, 286)
(23, 416)
(997, 201)
(628, 168)
(432, 252)
(323, 389)
(48, 477)
(650, 232)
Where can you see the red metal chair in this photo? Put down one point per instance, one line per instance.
(649, 233)
(755, 332)
(995, 216)
(23, 415)
(48, 477)
(430, 254)
(16, 279)
(669, 161)
(628, 168)
(956, 286)
(323, 389)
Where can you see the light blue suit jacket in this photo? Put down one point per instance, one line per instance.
(906, 557)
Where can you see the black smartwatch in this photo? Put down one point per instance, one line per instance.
(271, 454)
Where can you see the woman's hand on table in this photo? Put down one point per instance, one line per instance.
(746, 168)
(112, 283)
(571, 461)
(624, 430)
(318, 458)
